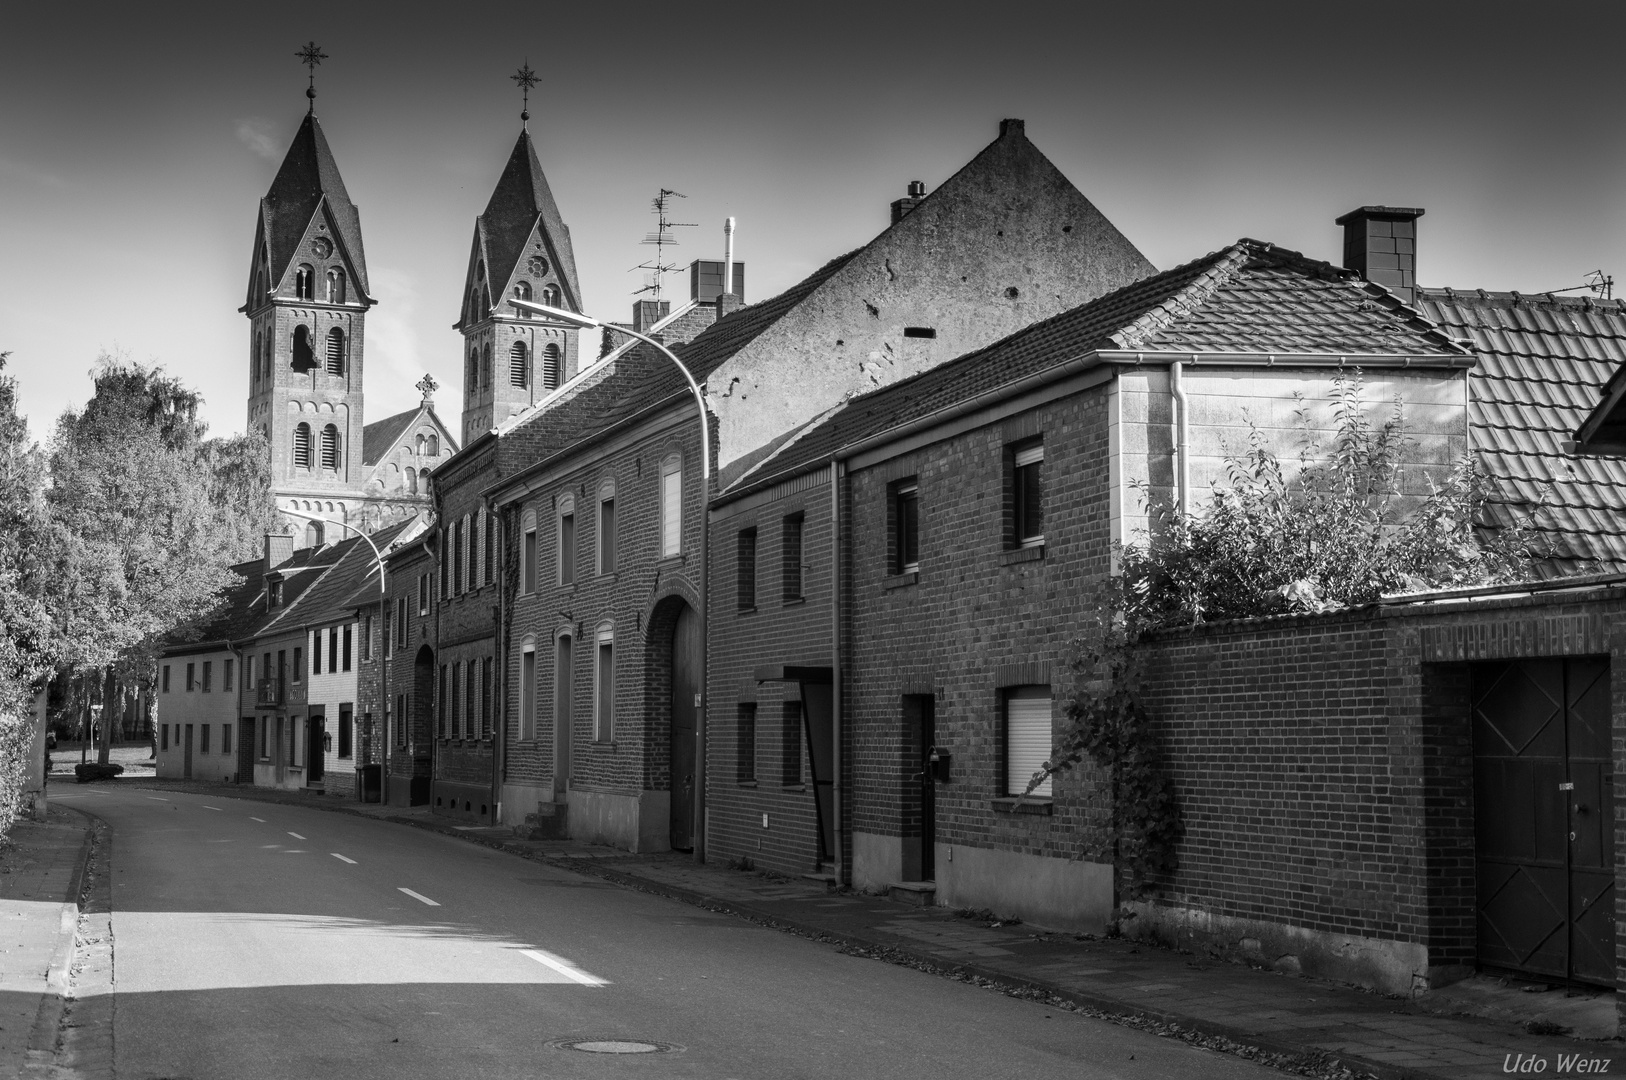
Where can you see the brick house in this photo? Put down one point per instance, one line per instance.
(409, 656)
(602, 521)
(977, 505)
(202, 688)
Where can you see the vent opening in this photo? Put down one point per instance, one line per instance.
(920, 331)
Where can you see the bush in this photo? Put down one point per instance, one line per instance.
(88, 772)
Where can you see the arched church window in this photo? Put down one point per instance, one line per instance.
(411, 480)
(335, 351)
(518, 367)
(551, 373)
(313, 535)
(330, 448)
(522, 291)
(485, 301)
(302, 446)
(335, 285)
(434, 447)
(550, 295)
(471, 372)
(303, 359)
(422, 442)
(423, 477)
(254, 360)
(305, 283)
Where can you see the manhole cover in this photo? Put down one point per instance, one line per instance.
(614, 1046)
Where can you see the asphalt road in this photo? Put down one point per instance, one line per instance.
(257, 940)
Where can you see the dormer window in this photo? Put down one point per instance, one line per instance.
(305, 283)
(335, 286)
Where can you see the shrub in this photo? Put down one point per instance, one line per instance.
(88, 772)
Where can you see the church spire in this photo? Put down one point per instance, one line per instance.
(310, 56)
(526, 78)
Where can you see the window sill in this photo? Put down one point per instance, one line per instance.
(901, 581)
(669, 561)
(746, 783)
(746, 610)
(793, 788)
(1022, 555)
(1039, 806)
(793, 601)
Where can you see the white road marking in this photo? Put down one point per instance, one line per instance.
(564, 967)
(341, 858)
(419, 896)
(206, 806)
(296, 836)
(155, 798)
(261, 820)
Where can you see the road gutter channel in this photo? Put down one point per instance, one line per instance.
(73, 1031)
(1288, 1057)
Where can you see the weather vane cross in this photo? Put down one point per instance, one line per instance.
(526, 78)
(310, 56)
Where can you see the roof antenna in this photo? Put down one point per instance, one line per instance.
(310, 56)
(1598, 283)
(526, 78)
(661, 237)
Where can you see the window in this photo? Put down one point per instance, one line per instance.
(304, 355)
(552, 369)
(313, 535)
(1027, 496)
(434, 445)
(248, 672)
(335, 286)
(471, 691)
(567, 545)
(488, 530)
(203, 738)
(400, 721)
(423, 595)
(225, 675)
(316, 654)
(299, 664)
(333, 649)
(906, 527)
(527, 693)
(452, 579)
(465, 552)
(454, 693)
(527, 554)
(1027, 738)
(485, 698)
(225, 738)
(366, 639)
(345, 652)
(346, 737)
(745, 744)
(522, 291)
(191, 678)
(442, 720)
(166, 678)
(604, 688)
(471, 371)
(265, 738)
(519, 368)
(302, 446)
(208, 676)
(550, 295)
(335, 351)
(606, 533)
(401, 622)
(411, 480)
(746, 576)
(790, 547)
(305, 283)
(790, 744)
(163, 736)
(444, 559)
(671, 506)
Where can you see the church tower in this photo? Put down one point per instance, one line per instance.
(521, 249)
(307, 310)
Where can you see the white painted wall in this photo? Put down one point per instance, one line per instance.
(179, 707)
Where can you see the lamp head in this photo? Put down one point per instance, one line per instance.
(556, 318)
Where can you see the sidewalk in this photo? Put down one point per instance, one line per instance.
(41, 869)
(1318, 1028)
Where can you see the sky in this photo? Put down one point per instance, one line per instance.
(137, 140)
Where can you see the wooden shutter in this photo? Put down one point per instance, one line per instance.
(1027, 743)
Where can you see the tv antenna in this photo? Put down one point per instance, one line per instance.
(1598, 283)
(661, 238)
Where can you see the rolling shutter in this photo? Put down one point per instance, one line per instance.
(672, 513)
(1027, 743)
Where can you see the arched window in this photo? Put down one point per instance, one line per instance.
(550, 295)
(335, 286)
(423, 477)
(411, 480)
(303, 359)
(330, 448)
(302, 446)
(552, 375)
(421, 443)
(522, 291)
(518, 368)
(313, 535)
(305, 283)
(254, 360)
(471, 372)
(335, 351)
(485, 301)
(434, 447)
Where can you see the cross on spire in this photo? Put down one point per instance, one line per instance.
(427, 386)
(310, 56)
(526, 78)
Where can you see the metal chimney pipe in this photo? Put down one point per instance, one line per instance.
(728, 256)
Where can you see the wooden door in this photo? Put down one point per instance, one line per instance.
(1543, 817)
(687, 663)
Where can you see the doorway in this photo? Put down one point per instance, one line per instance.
(187, 760)
(1544, 818)
(563, 717)
(919, 787)
(315, 751)
(687, 662)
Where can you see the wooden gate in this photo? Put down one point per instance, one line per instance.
(1543, 818)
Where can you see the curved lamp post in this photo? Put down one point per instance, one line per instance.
(383, 681)
(559, 318)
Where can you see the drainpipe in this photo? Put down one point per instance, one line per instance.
(837, 471)
(1182, 438)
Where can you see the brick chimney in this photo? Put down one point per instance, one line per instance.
(901, 207)
(1380, 244)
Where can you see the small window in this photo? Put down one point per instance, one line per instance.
(299, 664)
(790, 744)
(567, 549)
(344, 653)
(920, 331)
(226, 674)
(528, 553)
(302, 446)
(333, 649)
(163, 736)
(191, 677)
(519, 368)
(1027, 738)
(485, 697)
(552, 368)
(906, 527)
(1027, 496)
(550, 295)
(790, 544)
(527, 693)
(335, 286)
(604, 688)
(366, 639)
(671, 507)
(203, 738)
(746, 566)
(305, 283)
(208, 676)
(335, 351)
(166, 678)
(316, 654)
(346, 736)
(606, 534)
(745, 744)
(423, 595)
(225, 738)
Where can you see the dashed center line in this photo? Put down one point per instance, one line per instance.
(155, 798)
(419, 896)
(261, 820)
(341, 858)
(296, 836)
(564, 967)
(217, 809)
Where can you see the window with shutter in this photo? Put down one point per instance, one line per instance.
(335, 351)
(1027, 738)
(567, 549)
(604, 689)
(606, 536)
(552, 369)
(671, 507)
(330, 448)
(302, 446)
(518, 369)
(527, 694)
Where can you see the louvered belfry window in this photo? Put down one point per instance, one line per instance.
(302, 446)
(516, 365)
(551, 375)
(335, 351)
(330, 448)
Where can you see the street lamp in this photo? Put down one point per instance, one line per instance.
(383, 681)
(559, 318)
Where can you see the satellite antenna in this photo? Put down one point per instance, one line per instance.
(661, 238)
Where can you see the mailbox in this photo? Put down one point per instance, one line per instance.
(938, 763)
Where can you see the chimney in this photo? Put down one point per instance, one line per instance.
(278, 550)
(728, 256)
(1380, 244)
(646, 313)
(1012, 127)
(901, 207)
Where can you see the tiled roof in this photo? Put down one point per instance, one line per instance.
(521, 197)
(308, 174)
(378, 437)
(1543, 362)
(331, 597)
(1250, 298)
(241, 613)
